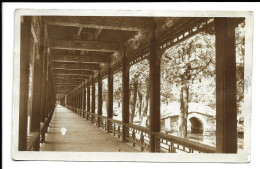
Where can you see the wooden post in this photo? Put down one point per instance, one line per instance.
(226, 105)
(24, 81)
(84, 99)
(44, 88)
(47, 87)
(154, 89)
(80, 99)
(93, 99)
(36, 95)
(110, 97)
(88, 97)
(125, 93)
(99, 97)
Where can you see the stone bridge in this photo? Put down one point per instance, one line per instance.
(201, 119)
(200, 122)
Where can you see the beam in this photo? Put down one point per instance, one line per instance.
(116, 23)
(86, 45)
(84, 66)
(68, 81)
(80, 59)
(66, 87)
(71, 75)
(68, 78)
(71, 71)
(58, 84)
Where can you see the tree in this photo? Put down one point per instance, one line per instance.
(117, 94)
(186, 63)
(139, 90)
(240, 55)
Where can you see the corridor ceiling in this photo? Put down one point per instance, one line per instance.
(77, 45)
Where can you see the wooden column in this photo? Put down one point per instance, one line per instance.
(84, 99)
(226, 105)
(88, 97)
(77, 100)
(93, 99)
(43, 53)
(24, 81)
(36, 94)
(44, 86)
(47, 87)
(99, 96)
(110, 97)
(125, 92)
(154, 89)
(80, 99)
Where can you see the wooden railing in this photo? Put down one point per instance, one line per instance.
(116, 127)
(32, 141)
(35, 138)
(138, 135)
(172, 144)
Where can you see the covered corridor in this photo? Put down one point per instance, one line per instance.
(101, 84)
(72, 133)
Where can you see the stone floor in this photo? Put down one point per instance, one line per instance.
(71, 133)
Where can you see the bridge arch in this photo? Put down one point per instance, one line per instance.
(198, 123)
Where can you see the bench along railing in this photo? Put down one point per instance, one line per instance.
(139, 135)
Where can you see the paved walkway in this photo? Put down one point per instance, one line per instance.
(80, 135)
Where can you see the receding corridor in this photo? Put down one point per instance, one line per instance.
(80, 135)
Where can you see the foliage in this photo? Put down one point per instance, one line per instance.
(104, 96)
(240, 59)
(117, 96)
(184, 69)
(139, 92)
(96, 98)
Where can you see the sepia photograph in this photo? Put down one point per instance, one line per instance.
(93, 85)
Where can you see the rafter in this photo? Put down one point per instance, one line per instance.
(117, 23)
(66, 86)
(76, 81)
(78, 72)
(84, 66)
(79, 31)
(79, 58)
(87, 45)
(68, 77)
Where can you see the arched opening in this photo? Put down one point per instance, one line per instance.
(196, 125)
